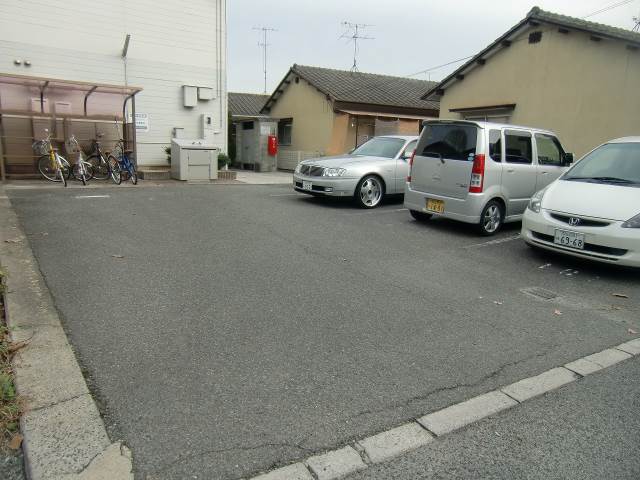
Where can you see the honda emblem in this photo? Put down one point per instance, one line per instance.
(574, 222)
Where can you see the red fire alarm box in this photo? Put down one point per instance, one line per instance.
(273, 145)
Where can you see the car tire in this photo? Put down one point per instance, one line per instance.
(369, 192)
(491, 218)
(420, 216)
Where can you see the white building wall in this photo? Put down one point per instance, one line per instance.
(172, 44)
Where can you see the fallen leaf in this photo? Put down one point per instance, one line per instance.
(632, 331)
(117, 256)
(11, 240)
(546, 265)
(620, 295)
(497, 302)
(15, 442)
(557, 312)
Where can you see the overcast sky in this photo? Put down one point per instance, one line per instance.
(410, 35)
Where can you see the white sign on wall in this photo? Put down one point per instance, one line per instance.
(142, 122)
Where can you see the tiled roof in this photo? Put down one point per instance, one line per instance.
(536, 14)
(246, 104)
(367, 88)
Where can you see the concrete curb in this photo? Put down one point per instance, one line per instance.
(395, 442)
(64, 435)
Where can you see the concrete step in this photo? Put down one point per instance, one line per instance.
(154, 173)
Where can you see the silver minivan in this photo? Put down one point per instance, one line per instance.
(480, 172)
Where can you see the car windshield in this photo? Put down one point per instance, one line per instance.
(613, 163)
(387, 147)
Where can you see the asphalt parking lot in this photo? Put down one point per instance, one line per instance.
(228, 329)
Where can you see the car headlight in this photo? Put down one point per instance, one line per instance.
(632, 222)
(333, 172)
(535, 204)
(298, 168)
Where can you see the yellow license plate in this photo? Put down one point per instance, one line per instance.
(435, 206)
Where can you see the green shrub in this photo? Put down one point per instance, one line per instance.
(223, 160)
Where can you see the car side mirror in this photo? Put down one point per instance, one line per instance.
(407, 154)
(567, 158)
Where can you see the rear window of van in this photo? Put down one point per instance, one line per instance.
(450, 141)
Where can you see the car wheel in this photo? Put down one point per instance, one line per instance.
(369, 192)
(491, 218)
(420, 216)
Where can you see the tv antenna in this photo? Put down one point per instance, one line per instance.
(264, 44)
(636, 28)
(352, 33)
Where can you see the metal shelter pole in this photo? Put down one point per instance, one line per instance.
(86, 97)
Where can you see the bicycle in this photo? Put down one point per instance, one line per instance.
(82, 170)
(51, 165)
(102, 167)
(127, 167)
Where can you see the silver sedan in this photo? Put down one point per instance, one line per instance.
(376, 168)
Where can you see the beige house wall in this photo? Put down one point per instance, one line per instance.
(312, 115)
(586, 91)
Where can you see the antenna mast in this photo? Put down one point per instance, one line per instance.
(352, 33)
(264, 46)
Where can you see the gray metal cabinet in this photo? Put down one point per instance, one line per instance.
(193, 160)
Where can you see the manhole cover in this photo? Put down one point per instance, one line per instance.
(540, 292)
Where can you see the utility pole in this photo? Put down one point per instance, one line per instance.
(352, 33)
(264, 46)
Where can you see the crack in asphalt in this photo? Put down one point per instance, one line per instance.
(178, 461)
(446, 388)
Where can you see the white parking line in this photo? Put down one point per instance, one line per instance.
(371, 212)
(493, 242)
(93, 196)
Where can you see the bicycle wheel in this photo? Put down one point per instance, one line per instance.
(46, 170)
(100, 167)
(61, 174)
(133, 175)
(66, 168)
(114, 166)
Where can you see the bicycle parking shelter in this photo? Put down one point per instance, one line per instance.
(29, 105)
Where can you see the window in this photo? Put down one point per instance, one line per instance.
(615, 163)
(518, 147)
(549, 150)
(247, 125)
(451, 141)
(411, 146)
(285, 126)
(387, 147)
(495, 145)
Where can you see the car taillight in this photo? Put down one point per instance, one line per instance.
(477, 174)
(411, 165)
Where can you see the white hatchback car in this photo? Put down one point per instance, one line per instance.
(593, 210)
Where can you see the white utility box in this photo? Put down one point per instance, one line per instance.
(193, 159)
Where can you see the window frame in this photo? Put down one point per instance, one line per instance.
(556, 142)
(501, 140)
(283, 123)
(519, 133)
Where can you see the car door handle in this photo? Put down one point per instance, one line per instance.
(544, 173)
(510, 170)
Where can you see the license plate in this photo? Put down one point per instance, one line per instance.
(435, 206)
(306, 185)
(569, 239)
